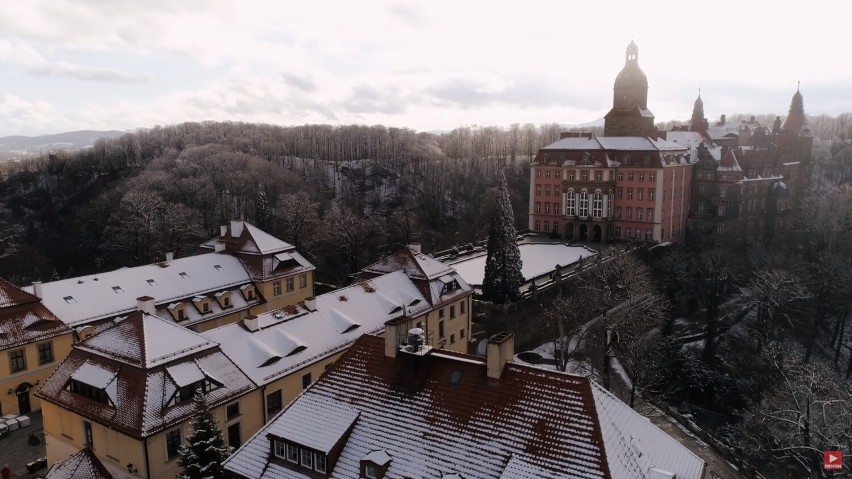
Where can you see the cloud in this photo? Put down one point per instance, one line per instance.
(19, 53)
(523, 93)
(81, 72)
(304, 84)
(368, 99)
(408, 14)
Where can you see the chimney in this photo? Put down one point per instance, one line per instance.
(501, 350)
(311, 303)
(251, 323)
(392, 329)
(752, 119)
(223, 231)
(170, 257)
(415, 247)
(37, 289)
(722, 121)
(236, 228)
(145, 304)
(219, 247)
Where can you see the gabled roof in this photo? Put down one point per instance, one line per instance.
(90, 298)
(82, 465)
(23, 319)
(245, 238)
(146, 341)
(440, 414)
(289, 338)
(141, 379)
(415, 265)
(729, 162)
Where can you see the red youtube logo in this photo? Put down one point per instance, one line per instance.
(832, 460)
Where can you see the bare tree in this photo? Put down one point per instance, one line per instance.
(298, 215)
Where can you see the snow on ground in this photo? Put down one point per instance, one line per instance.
(538, 259)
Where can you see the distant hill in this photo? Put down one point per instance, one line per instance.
(70, 141)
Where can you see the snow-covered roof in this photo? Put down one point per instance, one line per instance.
(530, 424)
(82, 465)
(301, 426)
(538, 259)
(242, 237)
(643, 445)
(23, 319)
(143, 340)
(618, 143)
(142, 378)
(293, 337)
(90, 298)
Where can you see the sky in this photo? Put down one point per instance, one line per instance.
(125, 64)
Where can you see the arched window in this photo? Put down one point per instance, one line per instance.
(570, 208)
(598, 205)
(584, 204)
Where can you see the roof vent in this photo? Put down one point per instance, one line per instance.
(37, 289)
(170, 257)
(252, 323)
(416, 343)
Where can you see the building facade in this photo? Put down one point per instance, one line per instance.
(32, 342)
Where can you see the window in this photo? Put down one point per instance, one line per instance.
(629, 176)
(571, 175)
(232, 410)
(627, 159)
(205, 307)
(88, 437)
(441, 313)
(701, 207)
(647, 160)
(547, 174)
(640, 192)
(638, 214)
(538, 207)
(16, 361)
(319, 462)
(555, 191)
(276, 288)
(45, 353)
(584, 204)
(638, 233)
(306, 380)
(303, 281)
(307, 458)
(569, 209)
(723, 191)
(290, 285)
(641, 176)
(278, 448)
(234, 439)
(619, 193)
(546, 190)
(181, 313)
(453, 338)
(546, 225)
(461, 334)
(652, 193)
(597, 205)
(273, 403)
(371, 472)
(547, 208)
(172, 444)
(292, 453)
(441, 329)
(650, 215)
(537, 225)
(556, 208)
(226, 301)
(556, 227)
(629, 213)
(538, 173)
(88, 391)
(649, 234)
(627, 232)
(618, 212)
(620, 176)
(618, 231)
(652, 177)
(538, 190)
(452, 311)
(599, 176)
(721, 210)
(629, 193)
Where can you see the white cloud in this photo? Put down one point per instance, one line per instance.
(81, 72)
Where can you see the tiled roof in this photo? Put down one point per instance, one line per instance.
(82, 465)
(619, 143)
(274, 350)
(141, 379)
(242, 237)
(90, 298)
(440, 414)
(23, 319)
(729, 162)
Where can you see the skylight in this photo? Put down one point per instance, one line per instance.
(151, 282)
(218, 267)
(69, 299)
(117, 289)
(183, 275)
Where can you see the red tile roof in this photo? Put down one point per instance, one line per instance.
(23, 319)
(82, 465)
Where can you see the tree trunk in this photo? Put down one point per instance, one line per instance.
(840, 337)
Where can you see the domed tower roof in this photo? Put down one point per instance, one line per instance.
(796, 123)
(631, 84)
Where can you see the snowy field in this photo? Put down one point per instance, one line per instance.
(538, 259)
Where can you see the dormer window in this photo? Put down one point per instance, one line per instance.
(375, 464)
(249, 292)
(178, 311)
(224, 299)
(202, 304)
(371, 471)
(298, 457)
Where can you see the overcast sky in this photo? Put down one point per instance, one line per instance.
(122, 64)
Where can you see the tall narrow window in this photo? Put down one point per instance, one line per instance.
(628, 213)
(45, 353)
(556, 208)
(290, 284)
(172, 443)
(571, 203)
(584, 204)
(88, 437)
(597, 206)
(638, 214)
(441, 328)
(276, 288)
(306, 380)
(650, 214)
(16, 361)
(547, 208)
(273, 404)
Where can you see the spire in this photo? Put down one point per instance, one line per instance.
(697, 122)
(632, 53)
(796, 122)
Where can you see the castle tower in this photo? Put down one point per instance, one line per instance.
(630, 115)
(698, 122)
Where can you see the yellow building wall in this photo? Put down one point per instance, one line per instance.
(291, 384)
(221, 321)
(34, 372)
(286, 298)
(64, 436)
(453, 327)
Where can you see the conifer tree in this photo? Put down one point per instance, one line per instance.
(263, 215)
(205, 451)
(503, 264)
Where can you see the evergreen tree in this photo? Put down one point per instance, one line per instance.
(205, 451)
(503, 264)
(262, 215)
